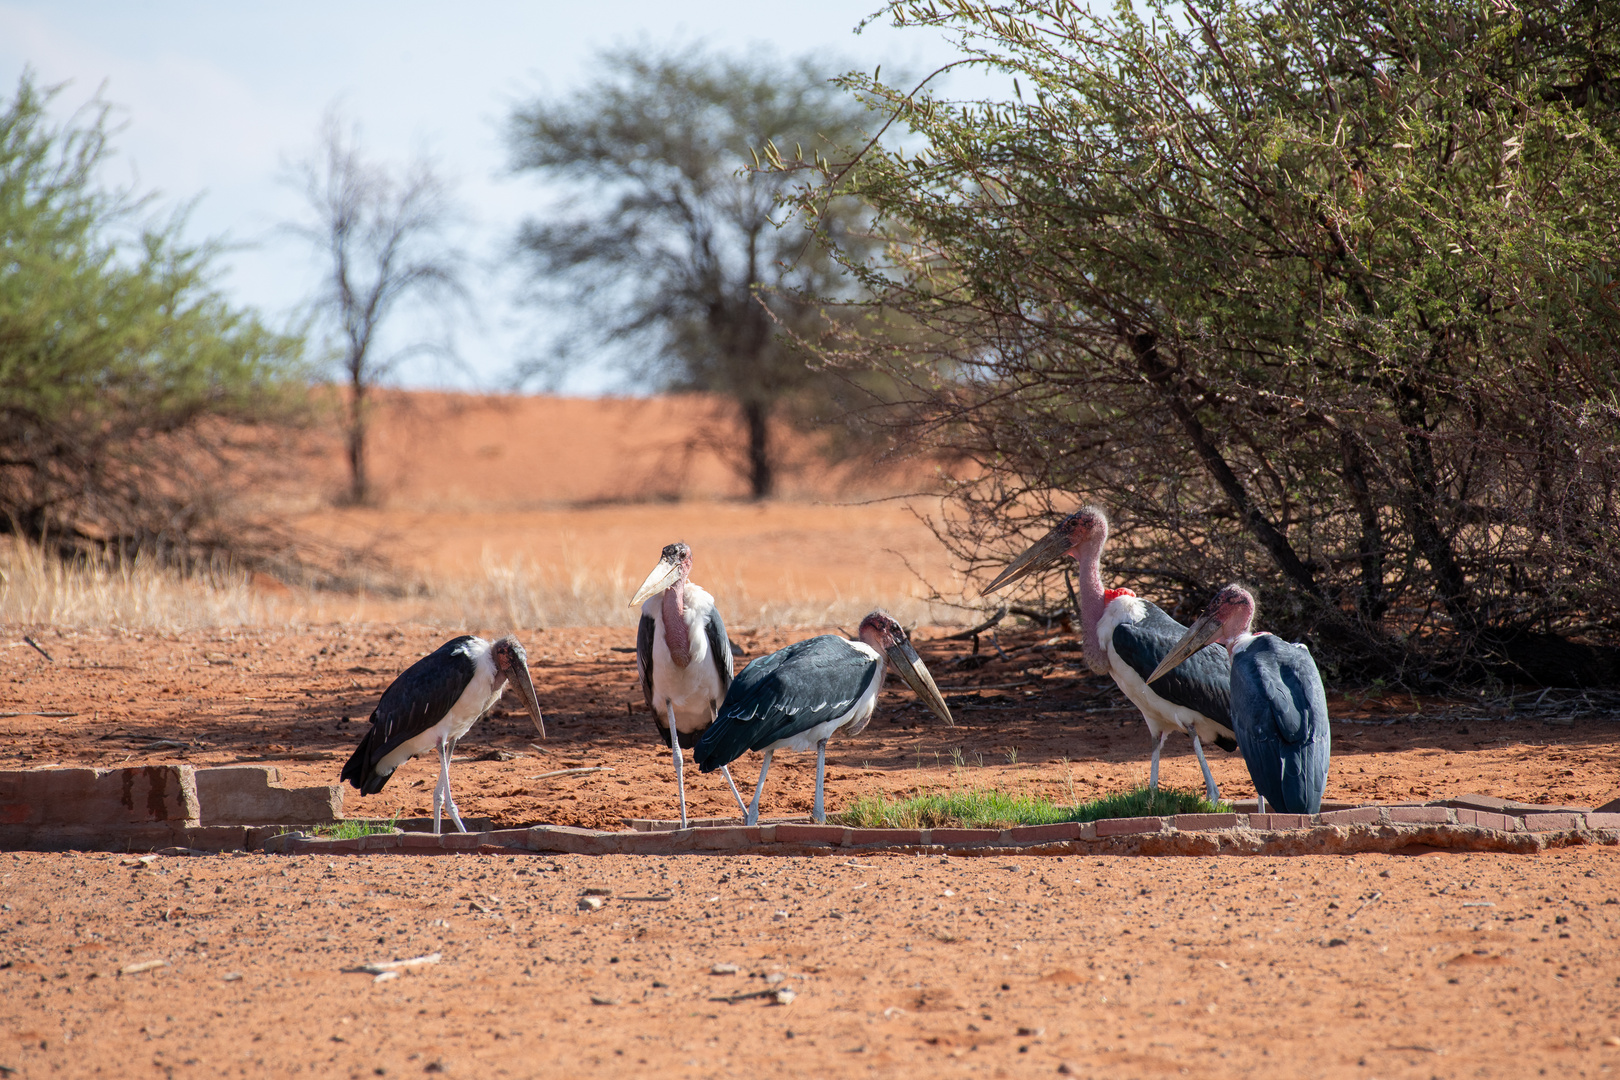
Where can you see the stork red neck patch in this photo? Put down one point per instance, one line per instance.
(1110, 595)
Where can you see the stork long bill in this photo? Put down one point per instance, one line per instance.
(663, 576)
(1046, 552)
(519, 677)
(1205, 629)
(910, 666)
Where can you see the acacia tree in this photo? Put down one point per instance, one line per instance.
(384, 240)
(1319, 296)
(671, 249)
(133, 397)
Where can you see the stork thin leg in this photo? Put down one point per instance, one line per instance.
(1211, 792)
(726, 770)
(752, 816)
(1153, 771)
(817, 814)
(449, 799)
(440, 788)
(680, 766)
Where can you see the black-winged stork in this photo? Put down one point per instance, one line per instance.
(432, 704)
(1279, 708)
(797, 698)
(684, 658)
(1127, 636)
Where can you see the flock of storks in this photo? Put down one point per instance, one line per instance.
(1215, 681)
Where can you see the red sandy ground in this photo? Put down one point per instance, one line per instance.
(1451, 965)
(904, 966)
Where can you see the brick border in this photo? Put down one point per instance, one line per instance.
(1364, 829)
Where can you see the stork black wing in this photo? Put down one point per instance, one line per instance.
(778, 696)
(644, 657)
(414, 702)
(714, 628)
(1279, 711)
(1201, 682)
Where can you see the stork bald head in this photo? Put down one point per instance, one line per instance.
(1086, 527)
(880, 631)
(674, 567)
(513, 663)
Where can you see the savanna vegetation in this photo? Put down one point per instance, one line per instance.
(1319, 296)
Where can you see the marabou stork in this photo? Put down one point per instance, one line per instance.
(1279, 709)
(684, 658)
(432, 705)
(1127, 636)
(796, 698)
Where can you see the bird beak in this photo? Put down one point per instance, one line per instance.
(1203, 631)
(1048, 551)
(910, 666)
(663, 576)
(519, 675)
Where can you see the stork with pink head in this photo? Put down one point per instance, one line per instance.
(1279, 707)
(1127, 637)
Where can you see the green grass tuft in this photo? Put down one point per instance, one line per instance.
(354, 829)
(997, 809)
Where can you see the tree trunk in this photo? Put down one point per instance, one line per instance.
(359, 486)
(1146, 349)
(761, 476)
(1371, 601)
(1420, 505)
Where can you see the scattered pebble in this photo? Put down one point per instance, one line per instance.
(597, 999)
(784, 996)
(144, 965)
(723, 969)
(590, 903)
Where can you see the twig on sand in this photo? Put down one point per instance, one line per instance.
(39, 648)
(570, 772)
(1375, 897)
(963, 635)
(53, 715)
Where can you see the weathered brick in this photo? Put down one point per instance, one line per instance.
(863, 837)
(417, 841)
(1361, 815)
(1199, 822)
(809, 834)
(513, 838)
(962, 836)
(1420, 815)
(1553, 822)
(725, 838)
(1279, 821)
(1603, 821)
(1044, 834)
(1126, 826)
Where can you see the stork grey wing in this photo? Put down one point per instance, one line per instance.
(1279, 711)
(778, 696)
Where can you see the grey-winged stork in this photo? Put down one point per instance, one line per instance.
(432, 704)
(799, 697)
(1127, 636)
(1279, 708)
(684, 658)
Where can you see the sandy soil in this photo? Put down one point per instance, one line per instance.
(902, 965)
(1375, 966)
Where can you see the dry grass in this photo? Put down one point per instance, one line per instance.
(37, 589)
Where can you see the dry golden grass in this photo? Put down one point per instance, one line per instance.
(37, 589)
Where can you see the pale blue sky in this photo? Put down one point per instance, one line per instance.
(217, 97)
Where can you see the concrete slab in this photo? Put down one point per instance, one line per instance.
(253, 795)
(146, 794)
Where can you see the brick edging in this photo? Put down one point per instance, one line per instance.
(1378, 829)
